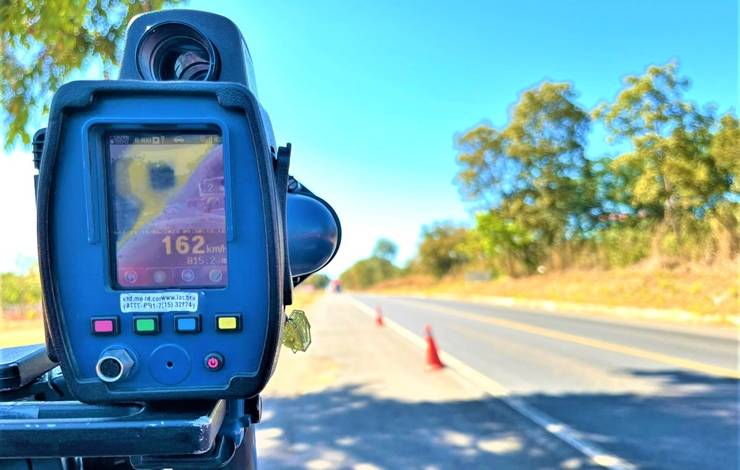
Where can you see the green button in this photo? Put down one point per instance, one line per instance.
(146, 325)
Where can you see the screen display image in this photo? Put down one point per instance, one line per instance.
(167, 205)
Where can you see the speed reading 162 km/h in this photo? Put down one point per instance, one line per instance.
(185, 245)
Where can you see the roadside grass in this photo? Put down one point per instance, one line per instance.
(303, 298)
(699, 289)
(21, 332)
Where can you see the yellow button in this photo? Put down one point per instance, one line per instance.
(228, 323)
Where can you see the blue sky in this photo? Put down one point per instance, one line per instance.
(372, 93)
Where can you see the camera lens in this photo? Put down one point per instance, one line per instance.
(191, 66)
(176, 51)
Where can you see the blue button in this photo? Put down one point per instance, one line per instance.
(187, 323)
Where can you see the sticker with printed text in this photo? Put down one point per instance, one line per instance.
(159, 302)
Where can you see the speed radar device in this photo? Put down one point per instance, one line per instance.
(170, 233)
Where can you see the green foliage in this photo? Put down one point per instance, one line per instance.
(20, 289)
(508, 246)
(725, 150)
(673, 192)
(44, 41)
(682, 164)
(319, 281)
(442, 248)
(621, 245)
(533, 173)
(385, 249)
(670, 169)
(368, 272)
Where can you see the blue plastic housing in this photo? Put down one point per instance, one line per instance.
(75, 244)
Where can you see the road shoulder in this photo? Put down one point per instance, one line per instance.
(361, 398)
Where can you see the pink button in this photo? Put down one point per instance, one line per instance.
(214, 362)
(103, 326)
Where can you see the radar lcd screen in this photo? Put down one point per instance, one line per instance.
(167, 210)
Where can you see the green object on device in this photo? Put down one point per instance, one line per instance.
(297, 332)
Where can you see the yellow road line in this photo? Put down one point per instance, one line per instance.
(584, 341)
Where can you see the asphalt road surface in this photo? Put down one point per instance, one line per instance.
(361, 398)
(658, 397)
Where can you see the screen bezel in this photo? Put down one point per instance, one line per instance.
(154, 130)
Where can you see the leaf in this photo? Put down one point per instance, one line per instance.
(45, 41)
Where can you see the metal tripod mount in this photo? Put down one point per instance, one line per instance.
(43, 427)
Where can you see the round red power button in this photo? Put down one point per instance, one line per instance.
(214, 361)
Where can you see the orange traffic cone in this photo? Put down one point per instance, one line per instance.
(378, 316)
(433, 361)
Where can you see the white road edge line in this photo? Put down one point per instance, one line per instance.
(477, 379)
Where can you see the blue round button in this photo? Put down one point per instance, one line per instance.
(169, 364)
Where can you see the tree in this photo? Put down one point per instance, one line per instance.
(725, 152)
(533, 173)
(442, 248)
(669, 172)
(318, 280)
(508, 246)
(20, 289)
(44, 41)
(368, 272)
(385, 249)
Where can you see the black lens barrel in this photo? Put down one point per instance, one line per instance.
(176, 51)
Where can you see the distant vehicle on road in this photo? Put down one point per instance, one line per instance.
(335, 286)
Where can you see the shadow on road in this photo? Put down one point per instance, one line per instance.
(693, 425)
(345, 428)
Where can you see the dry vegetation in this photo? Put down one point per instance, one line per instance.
(20, 332)
(303, 297)
(703, 290)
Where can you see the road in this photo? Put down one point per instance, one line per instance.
(361, 399)
(658, 397)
